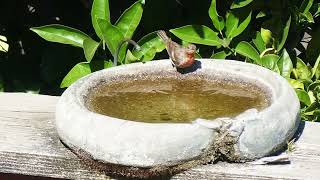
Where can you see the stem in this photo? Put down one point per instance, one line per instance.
(115, 60)
(221, 34)
(265, 51)
(232, 51)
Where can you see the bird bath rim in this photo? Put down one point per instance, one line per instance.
(252, 134)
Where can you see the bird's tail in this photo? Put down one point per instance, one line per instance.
(162, 34)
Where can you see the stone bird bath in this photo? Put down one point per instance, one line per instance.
(142, 149)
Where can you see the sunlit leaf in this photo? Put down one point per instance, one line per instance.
(242, 26)
(149, 46)
(309, 17)
(285, 64)
(246, 49)
(296, 84)
(107, 64)
(284, 34)
(111, 35)
(270, 61)
(305, 6)
(90, 46)
(99, 10)
(198, 34)
(220, 55)
(258, 42)
(302, 70)
(312, 97)
(78, 71)
(4, 46)
(303, 96)
(217, 20)
(231, 24)
(316, 68)
(266, 36)
(130, 58)
(61, 34)
(130, 19)
(240, 3)
(261, 14)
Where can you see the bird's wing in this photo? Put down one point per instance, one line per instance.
(171, 48)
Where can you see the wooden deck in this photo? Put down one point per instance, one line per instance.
(29, 145)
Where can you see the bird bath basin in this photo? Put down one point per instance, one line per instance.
(143, 117)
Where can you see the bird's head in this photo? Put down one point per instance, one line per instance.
(191, 48)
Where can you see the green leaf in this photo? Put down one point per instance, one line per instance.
(310, 110)
(231, 24)
(242, 26)
(314, 86)
(99, 10)
(296, 84)
(130, 58)
(312, 97)
(220, 55)
(284, 34)
(303, 97)
(285, 64)
(197, 55)
(259, 43)
(149, 46)
(266, 35)
(316, 68)
(316, 14)
(100, 64)
(240, 3)
(270, 61)
(78, 71)
(4, 46)
(217, 20)
(130, 19)
(305, 6)
(302, 70)
(107, 64)
(309, 17)
(89, 47)
(111, 35)
(261, 14)
(247, 50)
(61, 34)
(198, 34)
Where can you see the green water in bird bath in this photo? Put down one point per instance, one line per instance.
(175, 101)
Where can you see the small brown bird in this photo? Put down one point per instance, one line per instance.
(182, 57)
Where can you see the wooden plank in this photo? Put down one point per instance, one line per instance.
(29, 145)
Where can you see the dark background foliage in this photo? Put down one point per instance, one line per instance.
(34, 65)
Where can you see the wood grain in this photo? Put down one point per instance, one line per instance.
(29, 145)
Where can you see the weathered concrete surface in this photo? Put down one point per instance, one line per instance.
(248, 136)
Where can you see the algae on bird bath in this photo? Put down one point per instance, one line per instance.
(175, 100)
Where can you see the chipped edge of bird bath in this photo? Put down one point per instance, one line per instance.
(157, 146)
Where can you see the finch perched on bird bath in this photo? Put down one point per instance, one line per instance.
(182, 57)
